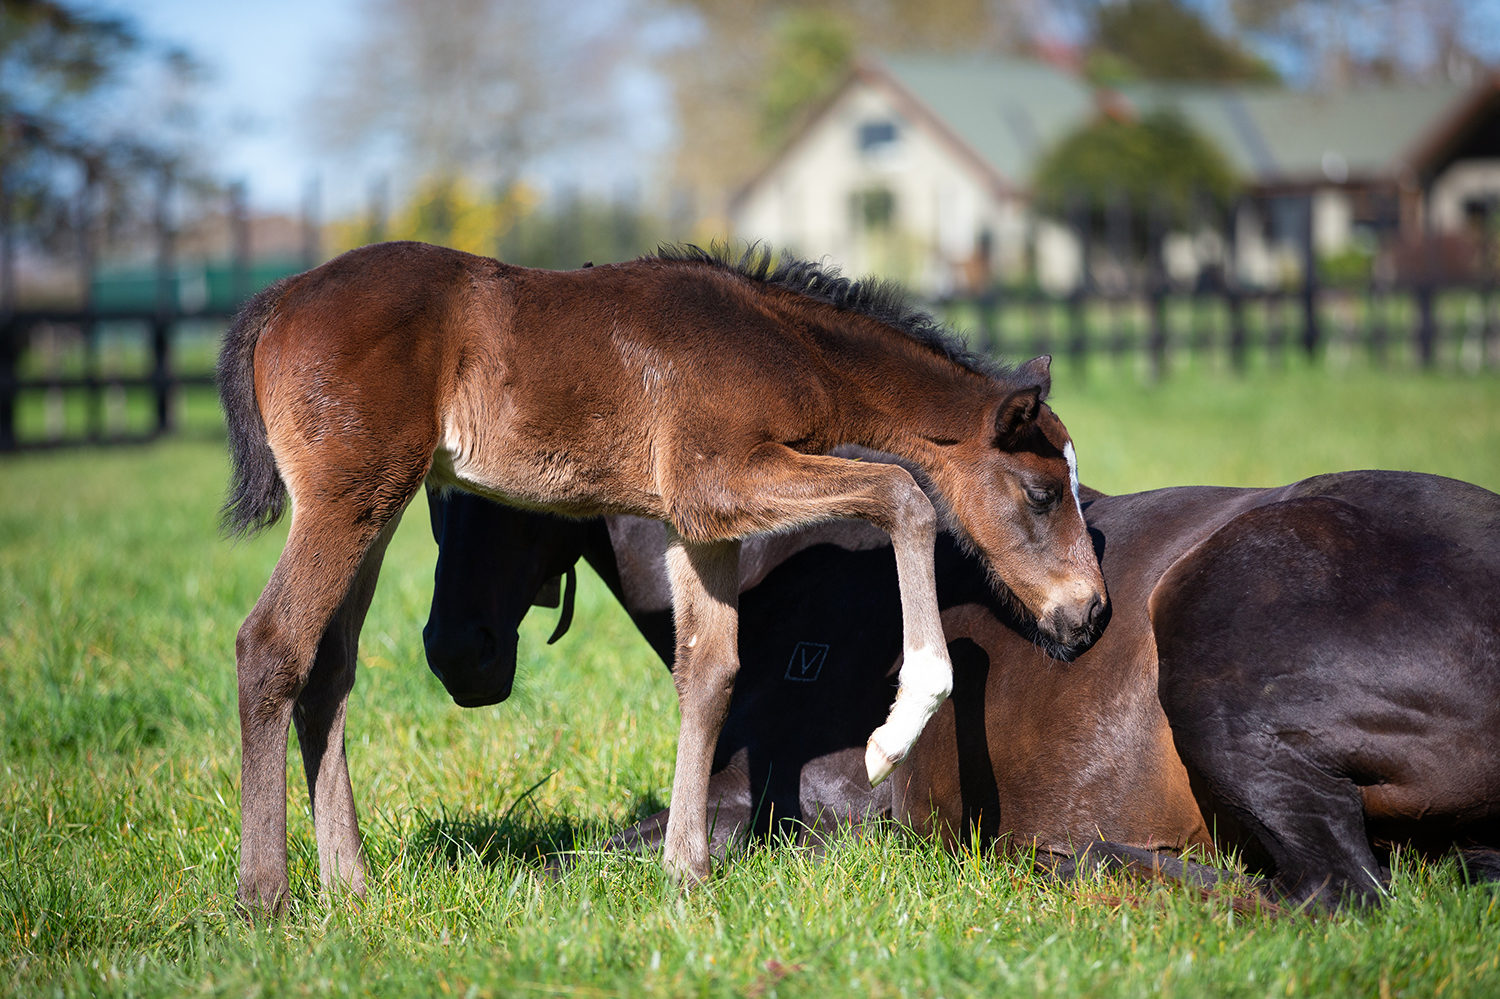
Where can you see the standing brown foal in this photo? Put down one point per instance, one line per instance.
(685, 387)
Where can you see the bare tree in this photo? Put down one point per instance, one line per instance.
(90, 109)
(1338, 43)
(479, 89)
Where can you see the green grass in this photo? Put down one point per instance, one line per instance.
(119, 770)
(1276, 425)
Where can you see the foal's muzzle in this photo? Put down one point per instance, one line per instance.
(1071, 630)
(476, 666)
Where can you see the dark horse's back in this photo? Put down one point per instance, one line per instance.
(1330, 664)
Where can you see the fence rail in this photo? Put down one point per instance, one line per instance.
(1452, 325)
(1436, 318)
(1458, 321)
(160, 379)
(151, 317)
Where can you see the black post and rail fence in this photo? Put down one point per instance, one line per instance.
(153, 320)
(1446, 317)
(1412, 294)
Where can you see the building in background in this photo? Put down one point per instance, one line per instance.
(920, 167)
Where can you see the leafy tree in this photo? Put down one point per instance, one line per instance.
(1156, 165)
(812, 50)
(1164, 40)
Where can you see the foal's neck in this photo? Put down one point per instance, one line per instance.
(915, 400)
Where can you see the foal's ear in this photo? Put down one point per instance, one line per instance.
(1038, 372)
(1020, 408)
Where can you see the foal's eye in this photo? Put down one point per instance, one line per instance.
(1041, 498)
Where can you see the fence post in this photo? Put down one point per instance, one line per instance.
(683, 213)
(987, 296)
(1234, 299)
(311, 205)
(1311, 333)
(1426, 319)
(10, 335)
(989, 320)
(161, 323)
(626, 219)
(1487, 235)
(380, 196)
(1118, 225)
(1157, 289)
(1200, 220)
(1377, 299)
(94, 419)
(509, 219)
(239, 236)
(567, 218)
(1078, 342)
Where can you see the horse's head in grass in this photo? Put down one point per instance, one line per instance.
(494, 563)
(1016, 498)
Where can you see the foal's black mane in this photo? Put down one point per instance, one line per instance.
(884, 301)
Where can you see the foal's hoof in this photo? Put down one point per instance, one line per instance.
(687, 874)
(260, 903)
(877, 764)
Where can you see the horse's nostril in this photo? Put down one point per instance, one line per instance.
(451, 654)
(1095, 612)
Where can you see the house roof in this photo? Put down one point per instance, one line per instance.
(1003, 114)
(1276, 136)
(1008, 111)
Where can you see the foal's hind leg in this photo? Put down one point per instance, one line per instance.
(276, 652)
(705, 604)
(319, 716)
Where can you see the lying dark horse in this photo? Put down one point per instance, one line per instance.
(1329, 664)
(689, 388)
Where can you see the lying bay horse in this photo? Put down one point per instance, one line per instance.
(1329, 663)
(698, 391)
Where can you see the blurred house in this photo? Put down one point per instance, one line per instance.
(919, 167)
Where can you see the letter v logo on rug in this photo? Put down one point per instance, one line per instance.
(806, 662)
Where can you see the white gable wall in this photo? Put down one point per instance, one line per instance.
(1465, 181)
(941, 203)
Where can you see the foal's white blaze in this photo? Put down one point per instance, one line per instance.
(926, 681)
(1071, 457)
(1077, 589)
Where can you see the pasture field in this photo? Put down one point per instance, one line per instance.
(119, 770)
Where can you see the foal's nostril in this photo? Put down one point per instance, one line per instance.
(1094, 614)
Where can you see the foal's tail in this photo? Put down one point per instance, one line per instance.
(257, 496)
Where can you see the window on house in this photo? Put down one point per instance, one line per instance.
(1283, 219)
(873, 209)
(1479, 212)
(875, 137)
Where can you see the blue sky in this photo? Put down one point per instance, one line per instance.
(265, 57)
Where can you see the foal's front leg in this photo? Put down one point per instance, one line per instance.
(926, 669)
(796, 489)
(705, 602)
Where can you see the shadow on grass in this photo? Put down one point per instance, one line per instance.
(523, 832)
